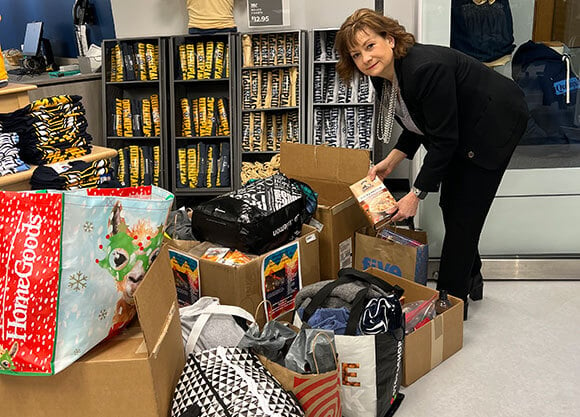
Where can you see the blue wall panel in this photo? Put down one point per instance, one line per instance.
(58, 23)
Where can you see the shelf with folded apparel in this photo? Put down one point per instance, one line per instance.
(341, 114)
(272, 96)
(201, 100)
(135, 110)
(21, 181)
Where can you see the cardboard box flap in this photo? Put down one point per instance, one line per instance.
(321, 162)
(156, 302)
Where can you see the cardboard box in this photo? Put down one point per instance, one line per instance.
(241, 286)
(330, 171)
(133, 374)
(400, 260)
(434, 342)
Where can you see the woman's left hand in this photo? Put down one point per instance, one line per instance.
(407, 207)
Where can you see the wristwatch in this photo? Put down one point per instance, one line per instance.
(420, 194)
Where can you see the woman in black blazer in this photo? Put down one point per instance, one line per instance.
(469, 118)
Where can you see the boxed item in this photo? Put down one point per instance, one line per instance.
(406, 256)
(435, 341)
(376, 202)
(276, 273)
(132, 374)
(330, 171)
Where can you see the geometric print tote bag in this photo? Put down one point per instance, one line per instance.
(230, 382)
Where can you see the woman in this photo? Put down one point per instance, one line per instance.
(468, 117)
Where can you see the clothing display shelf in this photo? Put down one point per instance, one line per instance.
(201, 101)
(272, 92)
(340, 114)
(134, 108)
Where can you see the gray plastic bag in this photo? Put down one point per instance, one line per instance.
(312, 351)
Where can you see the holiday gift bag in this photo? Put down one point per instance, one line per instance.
(370, 361)
(230, 382)
(70, 263)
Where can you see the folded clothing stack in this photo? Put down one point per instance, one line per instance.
(10, 162)
(72, 175)
(51, 129)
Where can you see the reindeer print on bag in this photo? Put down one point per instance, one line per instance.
(129, 253)
(7, 357)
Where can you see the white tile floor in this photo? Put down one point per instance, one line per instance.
(520, 357)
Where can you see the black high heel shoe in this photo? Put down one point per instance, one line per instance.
(476, 291)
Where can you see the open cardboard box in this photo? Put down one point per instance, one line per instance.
(240, 285)
(434, 342)
(132, 374)
(330, 171)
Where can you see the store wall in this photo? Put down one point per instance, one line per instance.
(141, 18)
(58, 23)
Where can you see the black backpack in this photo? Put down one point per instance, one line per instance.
(541, 73)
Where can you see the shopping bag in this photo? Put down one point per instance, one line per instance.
(371, 365)
(207, 324)
(230, 382)
(317, 392)
(70, 263)
(394, 254)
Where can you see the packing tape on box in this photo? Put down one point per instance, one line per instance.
(437, 341)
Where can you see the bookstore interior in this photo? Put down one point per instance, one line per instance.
(201, 204)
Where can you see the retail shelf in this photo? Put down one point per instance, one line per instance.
(341, 104)
(261, 67)
(285, 108)
(202, 137)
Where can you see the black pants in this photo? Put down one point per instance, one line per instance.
(467, 192)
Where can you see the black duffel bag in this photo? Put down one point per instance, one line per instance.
(258, 217)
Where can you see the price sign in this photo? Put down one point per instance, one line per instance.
(265, 13)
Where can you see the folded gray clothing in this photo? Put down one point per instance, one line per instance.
(341, 296)
(220, 329)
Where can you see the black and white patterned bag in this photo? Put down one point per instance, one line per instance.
(230, 382)
(258, 217)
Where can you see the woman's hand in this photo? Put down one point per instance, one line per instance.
(407, 207)
(387, 165)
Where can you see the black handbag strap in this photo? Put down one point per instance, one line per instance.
(318, 299)
(352, 274)
(358, 306)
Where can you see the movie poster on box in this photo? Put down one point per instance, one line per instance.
(186, 275)
(281, 280)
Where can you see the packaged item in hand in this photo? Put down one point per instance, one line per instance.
(375, 200)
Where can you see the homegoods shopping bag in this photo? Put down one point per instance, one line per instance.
(70, 263)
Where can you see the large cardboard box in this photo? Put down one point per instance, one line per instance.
(434, 342)
(241, 285)
(330, 171)
(133, 374)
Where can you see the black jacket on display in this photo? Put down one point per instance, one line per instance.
(465, 110)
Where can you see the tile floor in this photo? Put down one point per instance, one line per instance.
(520, 357)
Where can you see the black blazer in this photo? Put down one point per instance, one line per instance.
(465, 110)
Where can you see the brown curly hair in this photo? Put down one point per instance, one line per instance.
(368, 19)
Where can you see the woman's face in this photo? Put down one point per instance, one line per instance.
(373, 54)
